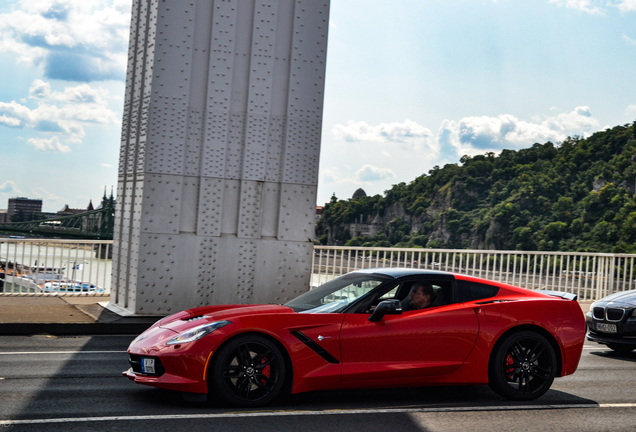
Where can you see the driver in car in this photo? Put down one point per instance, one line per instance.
(421, 296)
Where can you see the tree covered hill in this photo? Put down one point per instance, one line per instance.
(578, 195)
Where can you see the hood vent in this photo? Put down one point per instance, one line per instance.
(196, 318)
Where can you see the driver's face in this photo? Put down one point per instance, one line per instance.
(418, 298)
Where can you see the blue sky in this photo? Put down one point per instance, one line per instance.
(410, 84)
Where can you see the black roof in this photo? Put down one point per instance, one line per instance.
(401, 272)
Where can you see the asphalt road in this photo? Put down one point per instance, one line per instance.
(75, 384)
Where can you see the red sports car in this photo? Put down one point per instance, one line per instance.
(369, 328)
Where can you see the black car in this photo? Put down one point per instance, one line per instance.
(612, 321)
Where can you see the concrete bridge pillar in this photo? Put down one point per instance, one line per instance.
(219, 154)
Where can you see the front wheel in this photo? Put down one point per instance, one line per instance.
(522, 366)
(248, 371)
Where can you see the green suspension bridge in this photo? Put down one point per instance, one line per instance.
(91, 225)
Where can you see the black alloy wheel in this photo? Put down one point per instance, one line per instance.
(248, 371)
(621, 349)
(522, 366)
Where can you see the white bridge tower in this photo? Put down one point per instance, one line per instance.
(219, 155)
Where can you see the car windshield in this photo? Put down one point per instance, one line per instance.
(335, 295)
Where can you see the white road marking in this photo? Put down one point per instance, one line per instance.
(61, 352)
(314, 413)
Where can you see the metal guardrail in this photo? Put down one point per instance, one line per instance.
(590, 276)
(55, 267)
(73, 267)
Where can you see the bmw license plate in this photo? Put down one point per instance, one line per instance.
(606, 328)
(148, 365)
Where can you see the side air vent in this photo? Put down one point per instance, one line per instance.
(315, 346)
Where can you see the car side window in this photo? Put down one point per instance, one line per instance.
(390, 294)
(471, 291)
(441, 293)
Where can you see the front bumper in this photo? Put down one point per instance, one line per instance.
(167, 381)
(625, 326)
(603, 338)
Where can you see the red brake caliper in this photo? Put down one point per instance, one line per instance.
(509, 369)
(266, 370)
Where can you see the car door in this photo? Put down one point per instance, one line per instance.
(413, 345)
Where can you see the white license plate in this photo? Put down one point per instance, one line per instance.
(606, 328)
(148, 365)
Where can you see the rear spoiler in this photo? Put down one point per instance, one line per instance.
(562, 294)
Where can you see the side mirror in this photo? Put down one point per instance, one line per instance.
(386, 307)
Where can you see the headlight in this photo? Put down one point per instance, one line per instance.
(197, 332)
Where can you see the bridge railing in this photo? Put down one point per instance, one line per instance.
(72, 267)
(591, 276)
(55, 267)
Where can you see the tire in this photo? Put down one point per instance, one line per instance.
(248, 371)
(621, 349)
(522, 366)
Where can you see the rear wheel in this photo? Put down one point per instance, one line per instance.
(248, 371)
(522, 366)
(621, 349)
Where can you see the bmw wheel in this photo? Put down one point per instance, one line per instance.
(523, 366)
(248, 371)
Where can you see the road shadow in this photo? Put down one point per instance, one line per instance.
(608, 353)
(88, 384)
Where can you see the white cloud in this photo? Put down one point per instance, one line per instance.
(49, 145)
(9, 121)
(627, 5)
(629, 40)
(364, 176)
(582, 5)
(106, 165)
(51, 199)
(386, 154)
(631, 110)
(9, 187)
(477, 135)
(370, 173)
(409, 135)
(62, 113)
(80, 40)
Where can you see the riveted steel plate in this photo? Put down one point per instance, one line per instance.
(308, 60)
(297, 217)
(222, 48)
(210, 206)
(236, 146)
(173, 53)
(302, 151)
(193, 143)
(275, 149)
(250, 209)
(283, 270)
(255, 150)
(215, 143)
(165, 150)
(166, 264)
(270, 204)
(162, 196)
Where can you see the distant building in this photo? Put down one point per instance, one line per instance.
(318, 213)
(24, 207)
(4, 216)
(360, 193)
(366, 228)
(67, 211)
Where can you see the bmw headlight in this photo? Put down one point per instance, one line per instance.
(197, 332)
